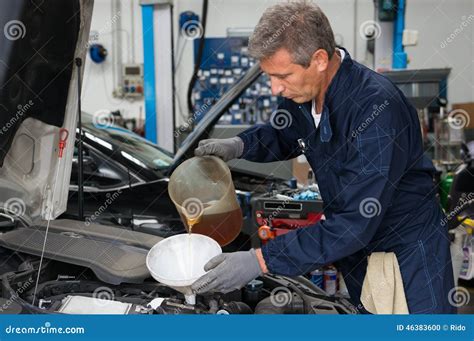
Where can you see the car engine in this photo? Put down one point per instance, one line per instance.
(70, 289)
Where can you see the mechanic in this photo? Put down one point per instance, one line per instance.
(362, 139)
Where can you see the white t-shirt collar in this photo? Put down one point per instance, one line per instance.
(317, 116)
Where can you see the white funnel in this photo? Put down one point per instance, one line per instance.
(178, 261)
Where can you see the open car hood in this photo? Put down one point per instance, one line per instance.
(38, 97)
(205, 125)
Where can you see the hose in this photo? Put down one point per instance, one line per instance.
(197, 65)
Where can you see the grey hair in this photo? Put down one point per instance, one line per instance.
(299, 27)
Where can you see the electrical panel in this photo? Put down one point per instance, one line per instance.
(132, 78)
(225, 61)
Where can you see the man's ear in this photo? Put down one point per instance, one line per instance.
(320, 60)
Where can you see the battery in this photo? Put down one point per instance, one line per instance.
(317, 277)
(330, 281)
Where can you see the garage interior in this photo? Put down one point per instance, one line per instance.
(103, 103)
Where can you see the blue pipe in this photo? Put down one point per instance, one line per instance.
(399, 57)
(151, 127)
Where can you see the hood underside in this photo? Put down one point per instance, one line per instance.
(204, 126)
(38, 96)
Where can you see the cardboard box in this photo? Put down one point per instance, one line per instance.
(300, 169)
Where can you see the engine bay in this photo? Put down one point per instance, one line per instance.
(69, 289)
(101, 270)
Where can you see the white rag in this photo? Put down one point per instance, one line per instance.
(382, 290)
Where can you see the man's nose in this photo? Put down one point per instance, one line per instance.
(277, 87)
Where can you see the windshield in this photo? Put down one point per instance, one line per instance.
(131, 146)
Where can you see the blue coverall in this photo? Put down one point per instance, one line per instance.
(376, 184)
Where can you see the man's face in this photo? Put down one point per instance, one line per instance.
(291, 80)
